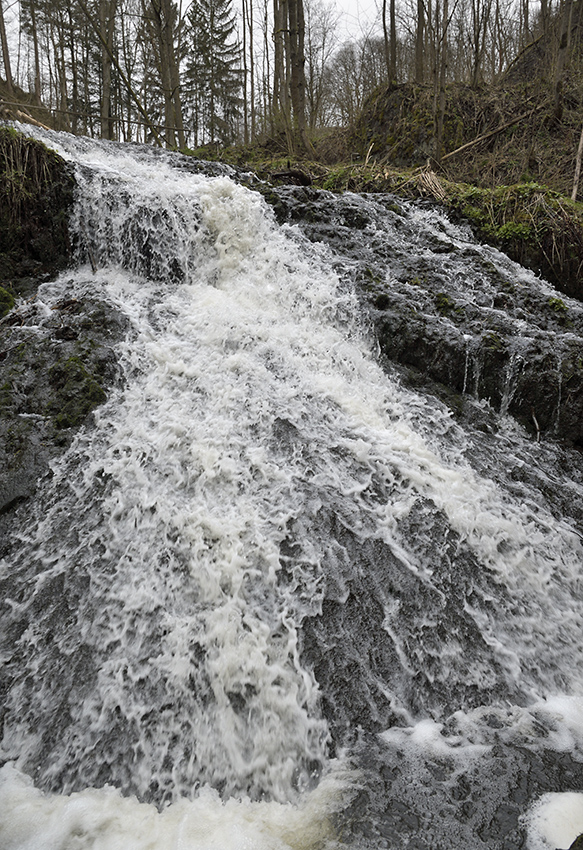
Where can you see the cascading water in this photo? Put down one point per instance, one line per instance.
(270, 594)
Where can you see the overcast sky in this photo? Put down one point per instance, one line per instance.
(358, 17)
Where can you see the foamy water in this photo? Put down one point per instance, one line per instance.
(182, 531)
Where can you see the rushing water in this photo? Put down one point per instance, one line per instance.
(267, 601)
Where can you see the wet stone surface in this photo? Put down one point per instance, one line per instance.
(56, 365)
(460, 313)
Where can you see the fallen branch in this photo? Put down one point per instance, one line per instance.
(28, 119)
(8, 108)
(294, 176)
(493, 133)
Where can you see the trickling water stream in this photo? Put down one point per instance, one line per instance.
(273, 592)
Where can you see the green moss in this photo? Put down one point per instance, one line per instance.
(445, 305)
(493, 342)
(337, 179)
(382, 301)
(6, 302)
(558, 307)
(370, 280)
(16, 440)
(76, 393)
(513, 230)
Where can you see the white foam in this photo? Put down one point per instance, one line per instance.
(427, 738)
(101, 819)
(555, 821)
(184, 489)
(564, 716)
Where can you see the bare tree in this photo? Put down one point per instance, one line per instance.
(566, 18)
(390, 40)
(107, 11)
(162, 18)
(420, 42)
(480, 19)
(297, 77)
(281, 103)
(355, 70)
(5, 51)
(321, 27)
(248, 56)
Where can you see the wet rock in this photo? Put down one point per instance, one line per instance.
(460, 313)
(441, 801)
(57, 362)
(52, 376)
(36, 193)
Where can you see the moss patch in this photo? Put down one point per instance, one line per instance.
(534, 225)
(76, 392)
(6, 302)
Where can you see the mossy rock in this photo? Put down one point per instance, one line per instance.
(76, 392)
(6, 302)
(36, 192)
(534, 225)
(52, 376)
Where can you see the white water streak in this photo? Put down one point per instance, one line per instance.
(181, 497)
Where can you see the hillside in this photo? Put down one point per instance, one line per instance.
(19, 105)
(507, 165)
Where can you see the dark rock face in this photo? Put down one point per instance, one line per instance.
(53, 372)
(36, 192)
(453, 311)
(56, 362)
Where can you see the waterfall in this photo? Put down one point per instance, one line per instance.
(268, 573)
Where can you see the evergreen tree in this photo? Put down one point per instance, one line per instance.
(213, 73)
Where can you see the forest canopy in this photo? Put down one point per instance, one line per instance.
(238, 71)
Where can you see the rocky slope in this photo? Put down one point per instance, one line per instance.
(54, 363)
(453, 311)
(456, 318)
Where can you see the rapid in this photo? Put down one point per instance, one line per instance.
(268, 598)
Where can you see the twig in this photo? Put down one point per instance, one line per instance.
(495, 132)
(577, 168)
(536, 425)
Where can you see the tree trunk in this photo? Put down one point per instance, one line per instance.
(544, 15)
(419, 42)
(58, 38)
(297, 72)
(440, 75)
(393, 43)
(281, 104)
(74, 73)
(107, 10)
(386, 43)
(577, 168)
(37, 83)
(5, 53)
(163, 19)
(250, 25)
(245, 74)
(567, 15)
